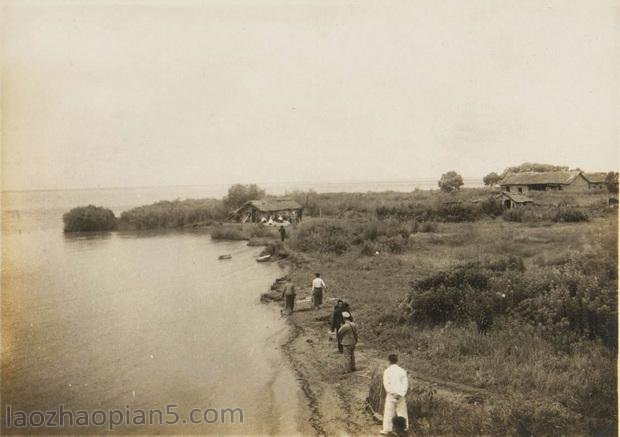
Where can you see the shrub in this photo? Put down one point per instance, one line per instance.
(262, 231)
(323, 236)
(89, 218)
(397, 243)
(570, 215)
(491, 207)
(368, 248)
(428, 227)
(229, 232)
(456, 213)
(513, 215)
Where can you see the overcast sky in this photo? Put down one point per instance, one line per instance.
(100, 94)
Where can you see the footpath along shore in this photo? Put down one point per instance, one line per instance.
(339, 402)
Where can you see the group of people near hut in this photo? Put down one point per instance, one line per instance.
(282, 218)
(395, 381)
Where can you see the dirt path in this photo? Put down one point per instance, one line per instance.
(338, 401)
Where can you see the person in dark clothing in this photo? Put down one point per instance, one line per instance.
(288, 293)
(282, 233)
(337, 319)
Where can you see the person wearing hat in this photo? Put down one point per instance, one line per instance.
(337, 319)
(347, 336)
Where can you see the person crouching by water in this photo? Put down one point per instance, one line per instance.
(347, 336)
(289, 293)
(318, 288)
(337, 319)
(396, 385)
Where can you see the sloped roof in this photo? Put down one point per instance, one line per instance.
(271, 205)
(535, 178)
(517, 198)
(595, 178)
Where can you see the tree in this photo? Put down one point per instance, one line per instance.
(611, 181)
(238, 194)
(491, 179)
(450, 181)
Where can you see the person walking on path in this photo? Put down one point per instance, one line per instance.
(337, 319)
(347, 336)
(396, 385)
(282, 233)
(289, 293)
(318, 288)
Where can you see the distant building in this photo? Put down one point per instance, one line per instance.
(269, 211)
(596, 181)
(522, 183)
(513, 200)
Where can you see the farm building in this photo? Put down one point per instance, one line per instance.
(513, 200)
(265, 210)
(596, 181)
(521, 183)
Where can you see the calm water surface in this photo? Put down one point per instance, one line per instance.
(144, 320)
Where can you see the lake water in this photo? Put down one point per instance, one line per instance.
(127, 321)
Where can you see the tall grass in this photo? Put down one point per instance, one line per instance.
(173, 214)
(236, 231)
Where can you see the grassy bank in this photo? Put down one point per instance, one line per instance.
(523, 311)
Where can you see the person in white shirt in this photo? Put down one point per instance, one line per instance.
(396, 384)
(318, 287)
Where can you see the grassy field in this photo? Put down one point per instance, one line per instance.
(525, 311)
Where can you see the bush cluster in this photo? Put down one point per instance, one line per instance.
(89, 218)
(566, 302)
(338, 236)
(570, 215)
(549, 214)
(323, 236)
(448, 212)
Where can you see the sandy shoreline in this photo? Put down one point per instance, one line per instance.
(336, 401)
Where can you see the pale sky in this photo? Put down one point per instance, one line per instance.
(108, 94)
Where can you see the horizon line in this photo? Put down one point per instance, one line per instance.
(358, 181)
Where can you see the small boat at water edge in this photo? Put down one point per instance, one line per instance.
(264, 258)
(227, 256)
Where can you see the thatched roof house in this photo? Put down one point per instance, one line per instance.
(521, 183)
(596, 180)
(257, 210)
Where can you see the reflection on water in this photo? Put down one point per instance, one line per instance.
(104, 320)
(85, 236)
